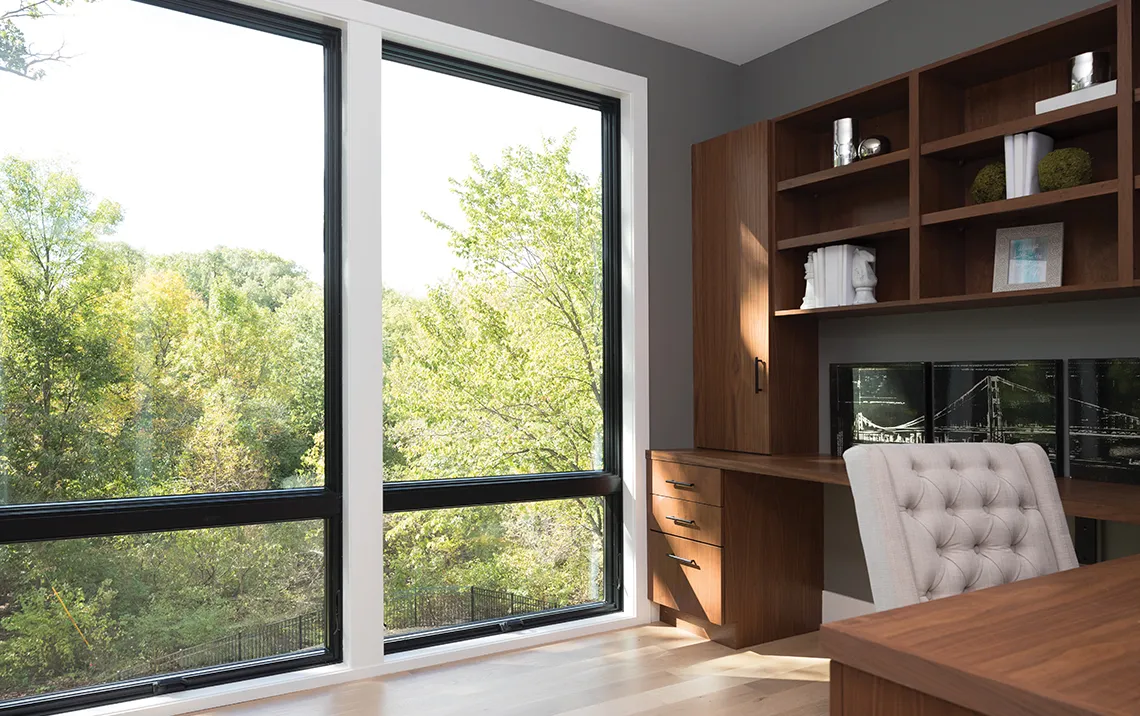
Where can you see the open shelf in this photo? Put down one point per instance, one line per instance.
(1021, 204)
(836, 177)
(976, 300)
(867, 309)
(839, 235)
(1061, 124)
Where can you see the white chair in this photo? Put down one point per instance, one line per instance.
(939, 520)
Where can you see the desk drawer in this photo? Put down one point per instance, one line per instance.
(685, 575)
(687, 482)
(691, 520)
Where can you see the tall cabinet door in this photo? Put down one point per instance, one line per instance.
(730, 291)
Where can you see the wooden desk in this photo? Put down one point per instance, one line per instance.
(1080, 498)
(1068, 643)
(736, 539)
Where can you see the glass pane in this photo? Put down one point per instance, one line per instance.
(86, 612)
(161, 258)
(492, 271)
(448, 567)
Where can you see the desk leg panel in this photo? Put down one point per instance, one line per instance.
(857, 693)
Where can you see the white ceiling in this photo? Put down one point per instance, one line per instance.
(733, 30)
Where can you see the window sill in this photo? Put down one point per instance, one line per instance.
(324, 676)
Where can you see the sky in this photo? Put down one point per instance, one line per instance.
(212, 135)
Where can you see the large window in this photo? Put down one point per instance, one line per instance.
(501, 350)
(170, 471)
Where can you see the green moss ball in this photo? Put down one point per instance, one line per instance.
(989, 185)
(1064, 168)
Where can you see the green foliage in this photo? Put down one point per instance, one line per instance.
(989, 184)
(498, 371)
(124, 374)
(1064, 168)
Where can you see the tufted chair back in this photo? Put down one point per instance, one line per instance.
(939, 520)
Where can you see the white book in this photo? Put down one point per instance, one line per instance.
(838, 262)
(1019, 146)
(1010, 192)
(1038, 145)
(1088, 94)
(820, 277)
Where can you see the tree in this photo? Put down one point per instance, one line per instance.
(63, 326)
(17, 57)
(498, 371)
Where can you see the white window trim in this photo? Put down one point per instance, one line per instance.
(365, 26)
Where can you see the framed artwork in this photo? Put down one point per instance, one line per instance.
(1104, 419)
(999, 402)
(879, 403)
(1028, 257)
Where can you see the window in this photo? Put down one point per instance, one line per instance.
(501, 350)
(170, 430)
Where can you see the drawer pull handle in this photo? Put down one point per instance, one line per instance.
(678, 483)
(679, 521)
(686, 562)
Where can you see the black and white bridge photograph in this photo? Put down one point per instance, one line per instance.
(882, 403)
(1104, 419)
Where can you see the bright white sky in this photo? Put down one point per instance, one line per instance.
(212, 135)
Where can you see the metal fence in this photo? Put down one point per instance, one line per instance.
(304, 631)
(449, 606)
(403, 612)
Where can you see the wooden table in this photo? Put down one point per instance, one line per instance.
(1080, 498)
(1068, 643)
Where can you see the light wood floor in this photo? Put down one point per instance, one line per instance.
(647, 670)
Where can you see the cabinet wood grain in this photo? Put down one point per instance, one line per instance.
(691, 520)
(686, 482)
(686, 576)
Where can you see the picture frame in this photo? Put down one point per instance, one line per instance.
(1028, 257)
(879, 403)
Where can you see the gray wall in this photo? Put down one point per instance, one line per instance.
(887, 40)
(692, 97)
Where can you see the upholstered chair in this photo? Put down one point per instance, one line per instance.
(939, 520)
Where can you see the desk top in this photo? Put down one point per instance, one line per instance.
(1080, 498)
(1068, 643)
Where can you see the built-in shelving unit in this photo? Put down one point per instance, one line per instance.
(934, 245)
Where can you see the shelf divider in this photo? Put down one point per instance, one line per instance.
(838, 173)
(839, 235)
(1022, 203)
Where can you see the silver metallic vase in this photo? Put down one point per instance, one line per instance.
(845, 147)
(1088, 69)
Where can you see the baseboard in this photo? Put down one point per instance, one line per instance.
(840, 606)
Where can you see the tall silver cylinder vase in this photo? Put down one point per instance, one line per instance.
(1088, 69)
(846, 143)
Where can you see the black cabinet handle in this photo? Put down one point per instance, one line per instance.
(759, 383)
(686, 562)
(678, 483)
(683, 523)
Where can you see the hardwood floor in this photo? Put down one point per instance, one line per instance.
(653, 669)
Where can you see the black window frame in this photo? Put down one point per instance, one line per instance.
(607, 483)
(104, 518)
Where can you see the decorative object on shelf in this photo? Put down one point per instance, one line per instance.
(1088, 94)
(1104, 419)
(879, 403)
(833, 268)
(989, 185)
(1023, 152)
(845, 142)
(998, 402)
(863, 277)
(874, 146)
(809, 283)
(1028, 257)
(1064, 168)
(1088, 69)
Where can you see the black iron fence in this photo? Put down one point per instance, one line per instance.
(304, 631)
(403, 612)
(449, 606)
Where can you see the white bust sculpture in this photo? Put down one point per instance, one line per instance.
(809, 275)
(863, 277)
